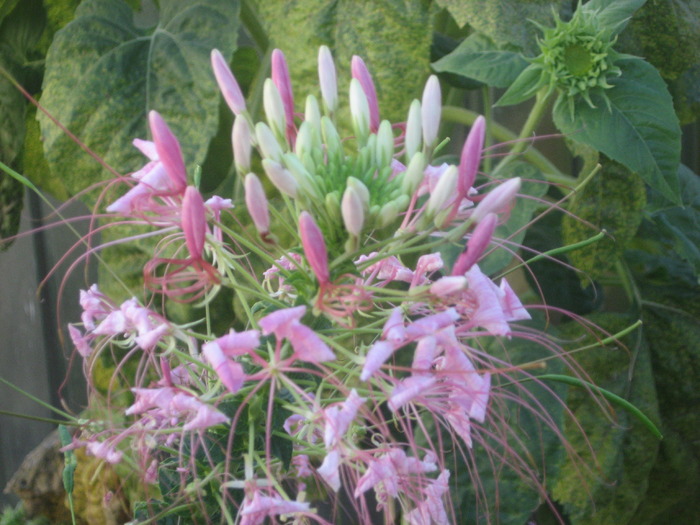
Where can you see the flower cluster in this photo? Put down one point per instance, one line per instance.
(356, 349)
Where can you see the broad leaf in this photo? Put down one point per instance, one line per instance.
(639, 130)
(617, 457)
(680, 225)
(524, 86)
(614, 201)
(613, 16)
(392, 37)
(103, 74)
(504, 21)
(478, 58)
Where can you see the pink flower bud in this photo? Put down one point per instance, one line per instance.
(353, 211)
(477, 243)
(314, 247)
(327, 79)
(242, 143)
(471, 156)
(169, 151)
(281, 177)
(280, 76)
(194, 222)
(227, 83)
(431, 107)
(443, 193)
(256, 201)
(497, 199)
(361, 73)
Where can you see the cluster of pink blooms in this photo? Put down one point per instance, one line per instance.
(381, 345)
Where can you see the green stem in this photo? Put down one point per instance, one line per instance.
(503, 134)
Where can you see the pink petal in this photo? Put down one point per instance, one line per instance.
(329, 470)
(361, 73)
(375, 358)
(279, 321)
(230, 372)
(471, 156)
(314, 247)
(307, 345)
(227, 83)
(408, 389)
(169, 152)
(194, 222)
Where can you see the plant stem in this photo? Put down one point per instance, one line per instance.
(503, 134)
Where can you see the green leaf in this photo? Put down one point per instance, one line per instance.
(611, 485)
(478, 58)
(639, 130)
(614, 201)
(524, 87)
(681, 224)
(392, 37)
(103, 74)
(613, 16)
(504, 21)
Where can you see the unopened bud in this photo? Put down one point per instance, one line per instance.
(269, 147)
(353, 211)
(274, 109)
(360, 189)
(414, 174)
(280, 76)
(312, 113)
(431, 107)
(194, 221)
(477, 243)
(361, 73)
(314, 247)
(334, 146)
(471, 156)
(414, 130)
(443, 193)
(256, 201)
(169, 152)
(281, 177)
(359, 109)
(497, 199)
(385, 144)
(327, 79)
(242, 144)
(227, 83)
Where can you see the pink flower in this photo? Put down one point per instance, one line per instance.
(254, 510)
(394, 470)
(431, 511)
(307, 345)
(230, 372)
(104, 450)
(330, 470)
(339, 417)
(497, 199)
(81, 343)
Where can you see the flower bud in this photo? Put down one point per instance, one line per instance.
(274, 110)
(443, 193)
(280, 76)
(256, 201)
(227, 83)
(361, 73)
(314, 247)
(242, 144)
(312, 114)
(385, 144)
(194, 222)
(414, 130)
(169, 152)
(477, 243)
(353, 211)
(359, 109)
(269, 147)
(448, 285)
(431, 107)
(361, 189)
(281, 177)
(497, 199)
(327, 79)
(332, 202)
(414, 174)
(471, 156)
(334, 146)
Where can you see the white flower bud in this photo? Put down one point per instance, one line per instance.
(414, 130)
